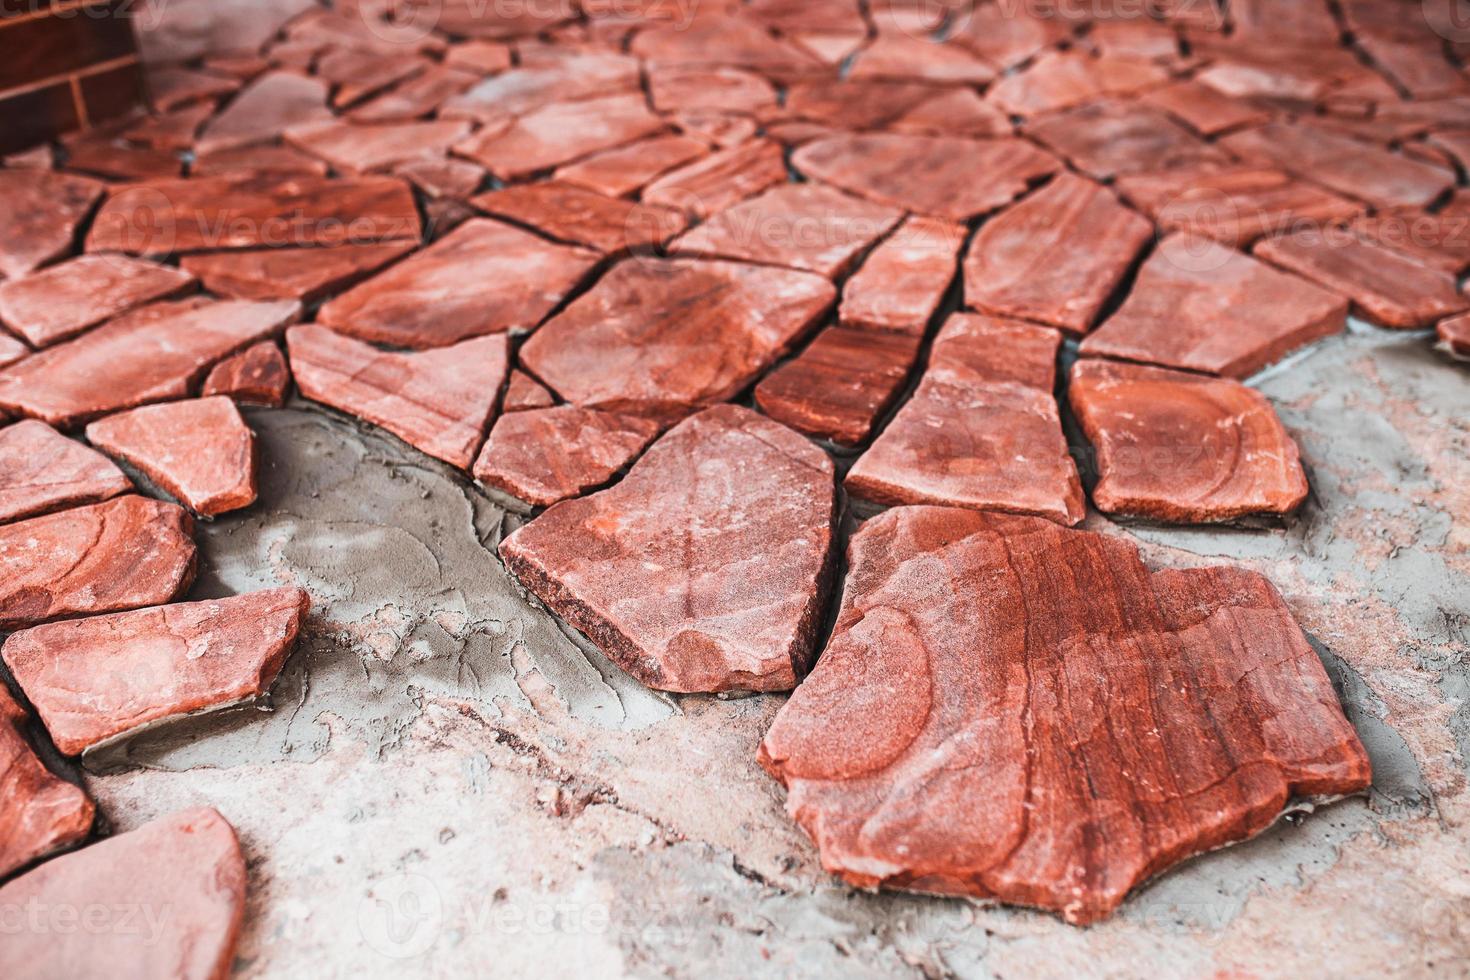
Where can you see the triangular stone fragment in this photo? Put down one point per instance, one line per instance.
(42, 470)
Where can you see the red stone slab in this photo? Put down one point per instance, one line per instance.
(1386, 286)
(1440, 239)
(1182, 447)
(438, 401)
(171, 131)
(840, 386)
(216, 213)
(40, 211)
(718, 129)
(253, 161)
(578, 216)
(257, 375)
(978, 432)
(800, 226)
(524, 393)
(1454, 335)
(711, 185)
(484, 277)
(848, 105)
(474, 18)
(1055, 257)
(903, 58)
(480, 57)
(199, 451)
(305, 274)
(946, 177)
(1203, 307)
(264, 109)
(717, 40)
(1006, 36)
(681, 89)
(154, 353)
(417, 97)
(563, 76)
(624, 170)
(171, 88)
(560, 133)
(1233, 204)
(1205, 110)
(121, 554)
(356, 74)
(1359, 170)
(443, 176)
(1062, 79)
(116, 160)
(663, 338)
(955, 112)
(99, 679)
(903, 280)
(729, 516)
(188, 864)
(546, 455)
(40, 813)
(59, 302)
(1110, 139)
(1056, 737)
(42, 471)
(352, 147)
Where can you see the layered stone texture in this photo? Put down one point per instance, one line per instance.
(545, 455)
(43, 471)
(60, 302)
(42, 812)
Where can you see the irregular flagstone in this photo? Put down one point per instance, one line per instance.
(1205, 110)
(1203, 307)
(199, 451)
(839, 387)
(42, 471)
(721, 129)
(663, 338)
(524, 393)
(417, 97)
(214, 213)
(189, 864)
(679, 89)
(1059, 735)
(896, 56)
(546, 455)
(264, 109)
(1388, 287)
(719, 40)
(903, 280)
(852, 105)
(40, 211)
(581, 217)
(98, 679)
(171, 88)
(559, 133)
(121, 554)
(154, 353)
(1183, 447)
(439, 401)
(563, 77)
(623, 170)
(1440, 239)
(480, 57)
(59, 302)
(716, 182)
(117, 160)
(171, 131)
(982, 430)
(1055, 257)
(955, 112)
(729, 516)
(40, 813)
(357, 74)
(1454, 335)
(257, 375)
(354, 147)
(484, 277)
(253, 161)
(1062, 79)
(802, 226)
(1108, 139)
(946, 177)
(443, 176)
(473, 18)
(305, 274)
(1007, 36)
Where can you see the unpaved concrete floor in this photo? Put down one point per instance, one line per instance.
(449, 785)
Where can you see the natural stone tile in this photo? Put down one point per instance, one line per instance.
(257, 161)
(1062, 79)
(559, 133)
(726, 178)
(546, 455)
(257, 375)
(418, 97)
(40, 211)
(681, 89)
(524, 393)
(904, 58)
(305, 274)
(624, 170)
(61, 301)
(42, 471)
(1111, 139)
(581, 217)
(904, 279)
(353, 147)
(1205, 110)
(42, 812)
(265, 109)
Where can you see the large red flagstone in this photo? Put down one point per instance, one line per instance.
(116, 160)
(186, 870)
(953, 112)
(624, 170)
(265, 109)
(42, 470)
(546, 455)
(946, 177)
(729, 517)
(524, 392)
(1108, 139)
(573, 214)
(680, 89)
(716, 40)
(417, 97)
(355, 73)
(60, 302)
(439, 401)
(1183, 447)
(154, 353)
(665, 337)
(484, 277)
(1015, 711)
(259, 160)
(896, 56)
(1203, 307)
(902, 281)
(1062, 79)
(564, 77)
(199, 451)
(95, 680)
(352, 147)
(442, 176)
(257, 375)
(120, 554)
(1007, 35)
(1440, 239)
(849, 105)
(40, 211)
(1055, 257)
(305, 274)
(1207, 111)
(170, 88)
(716, 182)
(981, 431)
(559, 133)
(40, 813)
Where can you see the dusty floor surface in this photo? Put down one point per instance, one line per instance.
(448, 785)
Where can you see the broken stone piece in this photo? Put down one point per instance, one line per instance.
(1205, 110)
(623, 170)
(60, 302)
(905, 58)
(524, 393)
(305, 274)
(439, 401)
(904, 279)
(40, 211)
(258, 161)
(188, 864)
(199, 451)
(1201, 306)
(982, 430)
(711, 185)
(42, 813)
(443, 176)
(953, 112)
(42, 471)
(543, 456)
(1454, 335)
(729, 518)
(484, 277)
(714, 89)
(1056, 256)
(1015, 711)
(121, 554)
(352, 147)
(257, 375)
(265, 109)
(1108, 139)
(116, 160)
(854, 105)
(560, 133)
(665, 337)
(581, 217)
(1183, 447)
(1062, 79)
(98, 679)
